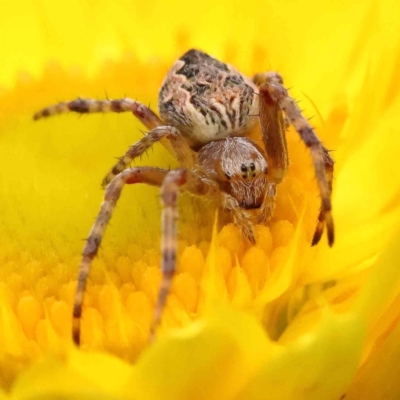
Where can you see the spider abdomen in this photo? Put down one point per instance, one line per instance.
(207, 100)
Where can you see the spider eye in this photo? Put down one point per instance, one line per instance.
(243, 168)
(252, 166)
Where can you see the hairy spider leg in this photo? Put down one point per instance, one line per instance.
(149, 175)
(273, 128)
(321, 216)
(181, 150)
(273, 90)
(175, 143)
(175, 181)
(241, 217)
(171, 182)
(268, 205)
(273, 131)
(86, 106)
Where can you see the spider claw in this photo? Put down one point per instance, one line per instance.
(76, 324)
(330, 228)
(76, 334)
(331, 237)
(319, 230)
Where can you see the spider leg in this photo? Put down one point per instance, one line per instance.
(273, 130)
(321, 217)
(180, 148)
(268, 205)
(84, 106)
(151, 176)
(273, 126)
(273, 91)
(174, 182)
(240, 216)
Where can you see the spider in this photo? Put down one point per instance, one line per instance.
(207, 109)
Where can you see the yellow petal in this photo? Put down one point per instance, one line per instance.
(208, 360)
(52, 379)
(383, 286)
(379, 304)
(109, 373)
(318, 365)
(378, 378)
(366, 192)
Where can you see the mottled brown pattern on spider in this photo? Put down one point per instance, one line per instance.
(207, 110)
(207, 100)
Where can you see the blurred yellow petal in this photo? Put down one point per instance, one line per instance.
(378, 378)
(383, 286)
(208, 360)
(81, 374)
(318, 365)
(97, 367)
(51, 379)
(379, 304)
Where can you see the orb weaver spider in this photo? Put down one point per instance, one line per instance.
(207, 109)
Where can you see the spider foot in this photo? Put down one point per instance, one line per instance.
(324, 218)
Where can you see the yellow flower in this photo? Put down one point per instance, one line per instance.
(277, 320)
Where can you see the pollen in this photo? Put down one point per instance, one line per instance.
(120, 298)
(29, 311)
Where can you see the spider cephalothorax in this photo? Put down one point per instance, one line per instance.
(207, 110)
(239, 167)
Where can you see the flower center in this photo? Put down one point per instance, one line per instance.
(52, 206)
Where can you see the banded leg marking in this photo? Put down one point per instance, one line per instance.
(240, 217)
(86, 106)
(328, 161)
(268, 205)
(323, 162)
(274, 135)
(174, 182)
(151, 176)
(179, 146)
